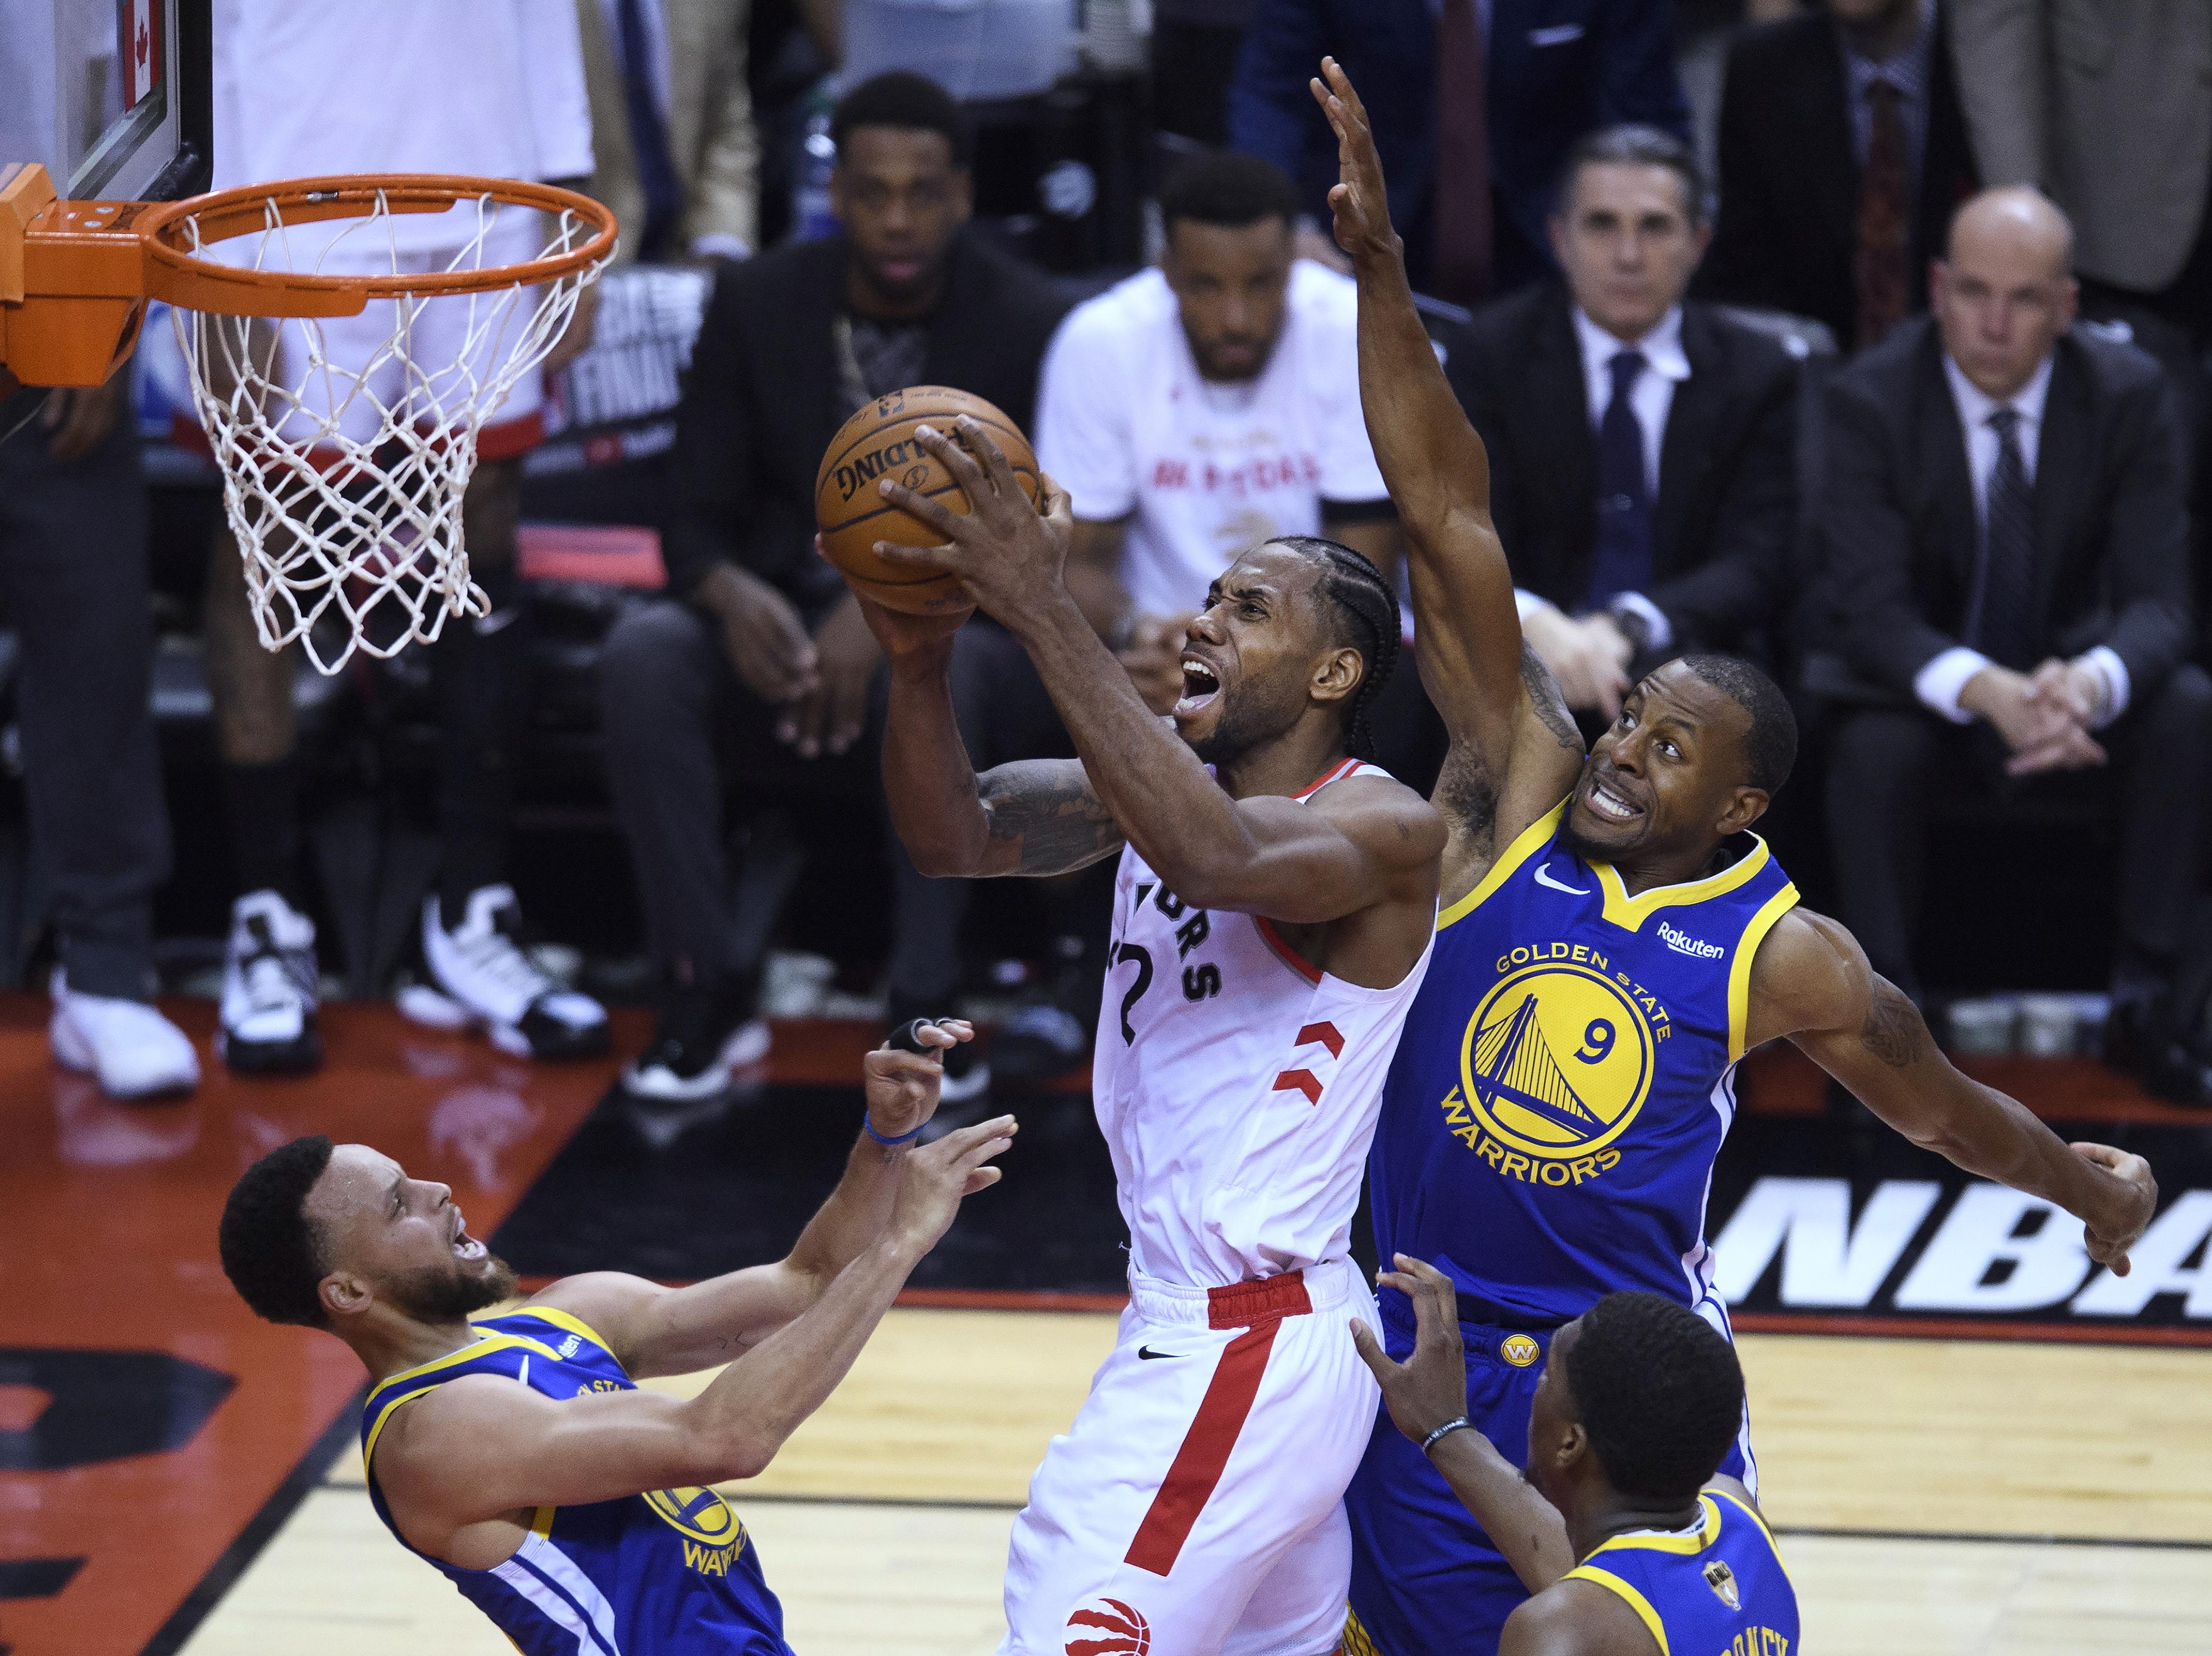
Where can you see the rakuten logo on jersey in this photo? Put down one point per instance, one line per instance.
(1683, 943)
(1107, 1627)
(1985, 1250)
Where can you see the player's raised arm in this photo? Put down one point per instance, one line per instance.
(1363, 843)
(1426, 1395)
(1035, 817)
(1434, 465)
(480, 1447)
(1810, 982)
(653, 1330)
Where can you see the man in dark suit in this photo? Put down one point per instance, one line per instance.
(2004, 554)
(1640, 447)
(1471, 172)
(1842, 156)
(759, 667)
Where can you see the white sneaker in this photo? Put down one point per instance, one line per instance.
(480, 978)
(269, 994)
(131, 1049)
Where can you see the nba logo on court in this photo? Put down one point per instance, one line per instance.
(1107, 1627)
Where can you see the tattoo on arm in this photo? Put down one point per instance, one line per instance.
(1049, 812)
(1895, 1031)
(1544, 697)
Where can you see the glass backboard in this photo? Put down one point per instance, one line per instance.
(111, 96)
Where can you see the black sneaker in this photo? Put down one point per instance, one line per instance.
(1051, 1036)
(706, 1031)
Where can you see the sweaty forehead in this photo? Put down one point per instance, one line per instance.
(1271, 569)
(1674, 691)
(355, 1181)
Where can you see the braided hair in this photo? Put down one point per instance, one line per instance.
(1366, 618)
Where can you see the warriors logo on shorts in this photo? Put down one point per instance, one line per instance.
(1519, 1351)
(1107, 1627)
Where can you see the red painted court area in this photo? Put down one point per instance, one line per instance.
(112, 1297)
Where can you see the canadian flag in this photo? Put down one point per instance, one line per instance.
(138, 32)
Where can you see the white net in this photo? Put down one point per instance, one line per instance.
(346, 444)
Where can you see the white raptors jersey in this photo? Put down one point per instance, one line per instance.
(1238, 1086)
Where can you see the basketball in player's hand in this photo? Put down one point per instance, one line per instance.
(878, 442)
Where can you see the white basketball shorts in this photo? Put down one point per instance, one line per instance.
(1196, 1504)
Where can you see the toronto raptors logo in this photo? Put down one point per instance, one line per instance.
(1107, 1627)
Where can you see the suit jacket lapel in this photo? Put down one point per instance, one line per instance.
(1685, 448)
(1559, 420)
(1943, 441)
(1829, 167)
(2064, 457)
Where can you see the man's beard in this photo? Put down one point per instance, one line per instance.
(1244, 723)
(431, 1295)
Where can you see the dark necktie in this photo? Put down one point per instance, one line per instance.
(2003, 628)
(648, 135)
(1881, 268)
(1461, 211)
(1623, 559)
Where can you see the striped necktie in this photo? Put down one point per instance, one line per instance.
(2003, 628)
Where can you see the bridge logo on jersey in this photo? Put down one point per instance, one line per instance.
(712, 1537)
(1555, 1064)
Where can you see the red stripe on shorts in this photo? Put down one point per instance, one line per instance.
(1258, 1308)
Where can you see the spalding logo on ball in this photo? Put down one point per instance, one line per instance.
(1107, 1627)
(879, 442)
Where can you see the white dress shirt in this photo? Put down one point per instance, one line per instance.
(1939, 683)
(1664, 367)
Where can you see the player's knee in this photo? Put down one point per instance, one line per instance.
(646, 666)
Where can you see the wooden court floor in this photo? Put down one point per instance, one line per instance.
(1937, 1498)
(169, 1478)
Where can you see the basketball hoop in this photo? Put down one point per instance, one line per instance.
(344, 475)
(343, 471)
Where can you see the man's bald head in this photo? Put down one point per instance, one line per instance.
(2015, 223)
(2004, 290)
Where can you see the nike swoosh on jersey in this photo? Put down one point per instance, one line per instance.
(1146, 1354)
(1542, 878)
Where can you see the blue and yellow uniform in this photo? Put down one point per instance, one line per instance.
(671, 1572)
(1719, 1590)
(1547, 1137)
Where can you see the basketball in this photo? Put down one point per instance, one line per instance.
(879, 442)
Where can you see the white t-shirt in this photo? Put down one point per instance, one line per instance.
(492, 88)
(1203, 470)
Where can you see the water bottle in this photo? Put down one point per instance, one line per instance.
(813, 217)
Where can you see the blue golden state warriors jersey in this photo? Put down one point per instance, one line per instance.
(1717, 1591)
(671, 1573)
(1565, 1078)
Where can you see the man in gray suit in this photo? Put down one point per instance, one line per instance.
(2107, 108)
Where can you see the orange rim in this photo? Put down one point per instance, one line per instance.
(176, 274)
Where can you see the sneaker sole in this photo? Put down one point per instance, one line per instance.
(73, 1052)
(302, 1055)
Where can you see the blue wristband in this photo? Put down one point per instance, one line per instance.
(869, 1128)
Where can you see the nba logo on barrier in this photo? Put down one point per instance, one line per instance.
(1519, 1349)
(1107, 1627)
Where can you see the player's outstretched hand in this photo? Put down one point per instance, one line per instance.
(1007, 554)
(2131, 1196)
(903, 1086)
(1429, 1388)
(1358, 200)
(936, 1176)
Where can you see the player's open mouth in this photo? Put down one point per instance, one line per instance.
(1201, 684)
(1609, 806)
(465, 1246)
